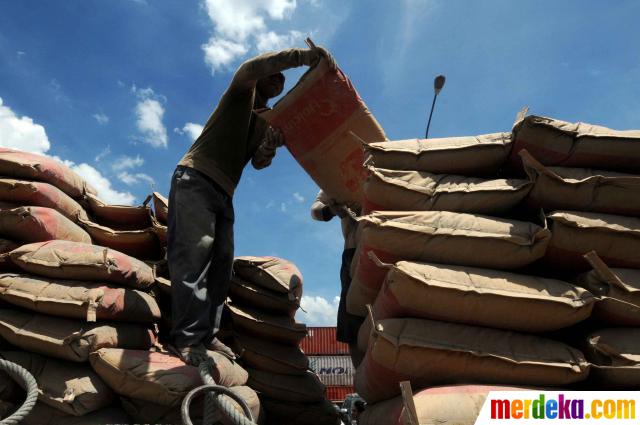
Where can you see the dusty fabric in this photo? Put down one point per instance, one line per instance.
(243, 292)
(317, 118)
(582, 189)
(161, 231)
(288, 413)
(82, 261)
(40, 194)
(480, 155)
(277, 328)
(561, 143)
(614, 347)
(262, 354)
(305, 388)
(275, 274)
(69, 387)
(38, 224)
(78, 300)
(392, 190)
(616, 240)
(482, 297)
(429, 353)
(29, 166)
(442, 237)
(161, 207)
(7, 246)
(120, 217)
(158, 377)
(143, 244)
(68, 339)
(46, 415)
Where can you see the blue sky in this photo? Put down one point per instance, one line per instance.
(117, 88)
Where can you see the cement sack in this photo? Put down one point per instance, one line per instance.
(441, 237)
(481, 297)
(29, 166)
(454, 405)
(159, 377)
(143, 244)
(68, 387)
(287, 413)
(305, 388)
(40, 194)
(39, 224)
(618, 292)
(275, 274)
(81, 261)
(121, 217)
(262, 354)
(145, 412)
(276, 328)
(246, 293)
(78, 300)
(615, 352)
(582, 189)
(161, 207)
(161, 232)
(480, 155)
(616, 239)
(391, 190)
(316, 118)
(429, 353)
(68, 339)
(45, 415)
(7, 246)
(565, 144)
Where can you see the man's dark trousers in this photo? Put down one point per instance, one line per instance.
(200, 255)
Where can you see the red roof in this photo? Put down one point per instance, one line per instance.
(322, 341)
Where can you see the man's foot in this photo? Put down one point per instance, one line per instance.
(216, 345)
(192, 355)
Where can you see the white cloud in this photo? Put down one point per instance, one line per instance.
(191, 129)
(105, 152)
(102, 185)
(220, 53)
(133, 179)
(101, 118)
(149, 113)
(283, 207)
(298, 197)
(272, 41)
(127, 163)
(318, 311)
(21, 132)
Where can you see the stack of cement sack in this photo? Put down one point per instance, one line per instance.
(264, 296)
(470, 283)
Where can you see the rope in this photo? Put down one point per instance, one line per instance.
(216, 401)
(27, 381)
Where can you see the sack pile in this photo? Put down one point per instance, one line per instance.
(481, 256)
(265, 294)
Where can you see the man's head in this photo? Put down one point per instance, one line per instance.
(356, 409)
(271, 86)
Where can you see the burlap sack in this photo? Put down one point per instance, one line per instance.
(143, 244)
(69, 387)
(615, 353)
(616, 239)
(69, 339)
(288, 413)
(29, 166)
(7, 246)
(454, 405)
(391, 190)
(246, 293)
(305, 388)
(78, 300)
(480, 155)
(481, 297)
(555, 142)
(120, 217)
(159, 377)
(161, 232)
(428, 353)
(275, 274)
(161, 207)
(262, 354)
(276, 328)
(618, 292)
(40, 194)
(582, 189)
(316, 118)
(38, 224)
(74, 260)
(45, 415)
(151, 413)
(441, 237)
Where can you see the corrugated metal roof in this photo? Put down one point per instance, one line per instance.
(322, 341)
(337, 394)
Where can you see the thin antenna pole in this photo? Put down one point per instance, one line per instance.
(438, 83)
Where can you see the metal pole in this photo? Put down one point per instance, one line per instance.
(438, 83)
